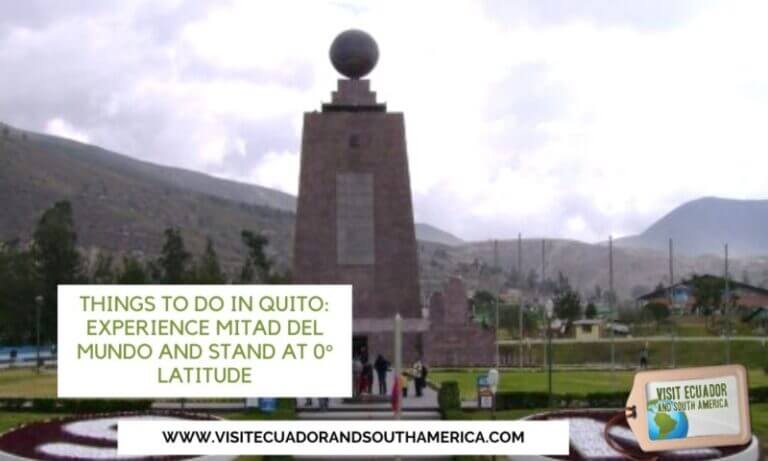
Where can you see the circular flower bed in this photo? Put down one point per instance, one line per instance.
(77, 438)
(587, 441)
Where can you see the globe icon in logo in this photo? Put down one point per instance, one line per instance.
(663, 425)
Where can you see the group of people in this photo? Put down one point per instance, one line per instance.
(362, 374)
(363, 370)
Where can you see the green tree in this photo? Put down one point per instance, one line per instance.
(133, 272)
(509, 318)
(659, 311)
(591, 311)
(256, 263)
(568, 305)
(247, 272)
(708, 294)
(57, 261)
(18, 288)
(483, 304)
(174, 259)
(208, 268)
(102, 270)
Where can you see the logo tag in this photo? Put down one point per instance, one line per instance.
(690, 407)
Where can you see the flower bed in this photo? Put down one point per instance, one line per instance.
(92, 437)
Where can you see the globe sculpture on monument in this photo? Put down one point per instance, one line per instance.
(354, 222)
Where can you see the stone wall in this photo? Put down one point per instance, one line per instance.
(453, 338)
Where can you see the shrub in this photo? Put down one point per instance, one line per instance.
(103, 406)
(606, 399)
(76, 406)
(511, 400)
(12, 403)
(44, 405)
(758, 394)
(448, 397)
(516, 400)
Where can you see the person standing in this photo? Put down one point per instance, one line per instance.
(381, 366)
(417, 370)
(357, 373)
(644, 358)
(423, 377)
(404, 380)
(368, 377)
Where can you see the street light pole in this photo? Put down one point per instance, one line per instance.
(498, 354)
(549, 359)
(671, 298)
(520, 301)
(398, 340)
(38, 303)
(726, 313)
(549, 308)
(612, 297)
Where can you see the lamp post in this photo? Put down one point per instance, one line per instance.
(498, 352)
(38, 305)
(549, 308)
(398, 340)
(726, 311)
(493, 375)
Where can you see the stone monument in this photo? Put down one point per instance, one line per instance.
(354, 222)
(454, 338)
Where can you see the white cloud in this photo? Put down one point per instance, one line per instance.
(547, 120)
(278, 170)
(60, 127)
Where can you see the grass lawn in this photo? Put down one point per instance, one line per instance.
(663, 353)
(26, 382)
(576, 382)
(759, 413)
(11, 419)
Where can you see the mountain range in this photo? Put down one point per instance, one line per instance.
(122, 205)
(703, 226)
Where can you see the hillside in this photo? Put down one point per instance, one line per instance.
(122, 205)
(429, 233)
(636, 270)
(703, 226)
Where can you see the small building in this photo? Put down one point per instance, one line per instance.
(758, 318)
(594, 329)
(681, 297)
(588, 329)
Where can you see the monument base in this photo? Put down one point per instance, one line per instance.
(378, 337)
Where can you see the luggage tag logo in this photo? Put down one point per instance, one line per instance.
(690, 408)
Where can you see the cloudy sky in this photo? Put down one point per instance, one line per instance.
(557, 118)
